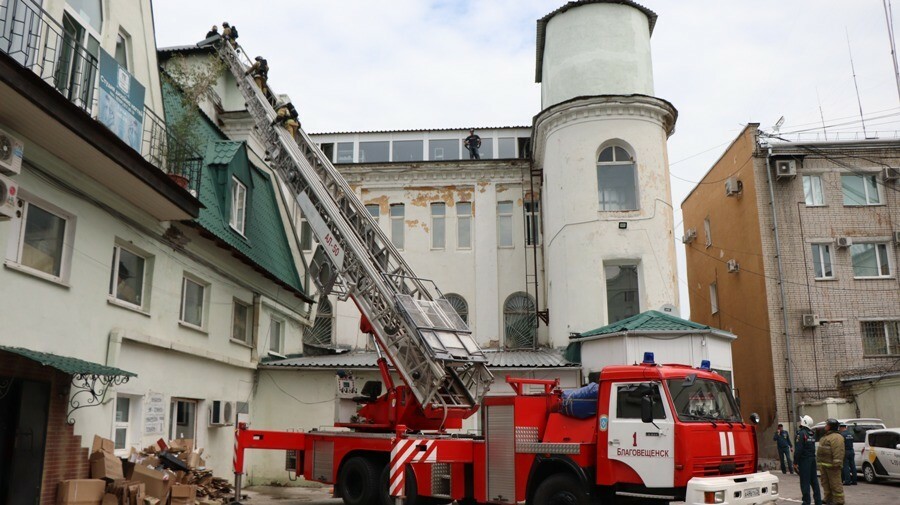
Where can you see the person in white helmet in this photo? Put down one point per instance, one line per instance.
(805, 461)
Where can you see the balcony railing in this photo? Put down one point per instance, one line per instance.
(31, 37)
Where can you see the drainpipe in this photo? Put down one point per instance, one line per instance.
(784, 311)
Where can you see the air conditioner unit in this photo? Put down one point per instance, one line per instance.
(221, 413)
(733, 266)
(9, 196)
(890, 174)
(785, 169)
(733, 186)
(897, 237)
(810, 320)
(843, 242)
(11, 152)
(689, 235)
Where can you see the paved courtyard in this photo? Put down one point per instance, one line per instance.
(867, 494)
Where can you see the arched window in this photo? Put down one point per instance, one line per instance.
(459, 304)
(320, 333)
(519, 321)
(617, 180)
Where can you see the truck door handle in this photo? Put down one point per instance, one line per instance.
(614, 442)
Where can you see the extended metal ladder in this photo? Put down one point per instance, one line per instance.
(424, 338)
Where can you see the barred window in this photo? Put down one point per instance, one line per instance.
(460, 305)
(880, 338)
(320, 334)
(520, 321)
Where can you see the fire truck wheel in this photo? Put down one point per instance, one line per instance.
(560, 489)
(358, 481)
(411, 491)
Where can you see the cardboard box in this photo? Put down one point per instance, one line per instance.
(191, 459)
(183, 494)
(105, 465)
(149, 500)
(103, 444)
(80, 492)
(185, 444)
(156, 482)
(109, 499)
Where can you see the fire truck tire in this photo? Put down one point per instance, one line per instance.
(358, 481)
(561, 489)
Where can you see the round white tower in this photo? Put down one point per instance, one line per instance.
(600, 139)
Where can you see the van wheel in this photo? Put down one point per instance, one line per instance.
(561, 489)
(869, 473)
(358, 481)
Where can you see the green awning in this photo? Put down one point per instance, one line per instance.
(71, 366)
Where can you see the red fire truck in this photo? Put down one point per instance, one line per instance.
(652, 431)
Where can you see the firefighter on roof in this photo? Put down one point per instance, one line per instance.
(830, 458)
(805, 461)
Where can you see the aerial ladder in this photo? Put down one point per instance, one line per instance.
(416, 330)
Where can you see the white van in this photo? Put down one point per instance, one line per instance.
(859, 427)
(881, 455)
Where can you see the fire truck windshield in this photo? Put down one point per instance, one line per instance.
(703, 400)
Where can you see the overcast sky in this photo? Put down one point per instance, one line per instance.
(402, 64)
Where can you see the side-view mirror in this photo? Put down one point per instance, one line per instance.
(898, 446)
(647, 409)
(754, 418)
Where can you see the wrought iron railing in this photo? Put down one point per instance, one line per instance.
(34, 39)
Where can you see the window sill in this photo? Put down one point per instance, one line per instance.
(190, 326)
(127, 306)
(277, 355)
(859, 205)
(463, 248)
(509, 247)
(825, 279)
(878, 278)
(880, 356)
(816, 206)
(240, 343)
(12, 265)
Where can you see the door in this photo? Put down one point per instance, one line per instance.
(648, 448)
(24, 407)
(887, 450)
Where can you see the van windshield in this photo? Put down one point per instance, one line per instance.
(703, 400)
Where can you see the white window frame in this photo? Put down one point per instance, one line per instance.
(506, 216)
(707, 231)
(878, 190)
(435, 219)
(822, 247)
(238, 218)
(617, 163)
(248, 329)
(173, 420)
(113, 295)
(714, 298)
(306, 235)
(398, 232)
(203, 303)
(532, 221)
(467, 244)
(126, 425)
(816, 194)
(888, 253)
(16, 247)
(126, 41)
(276, 328)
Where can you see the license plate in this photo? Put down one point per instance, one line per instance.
(750, 493)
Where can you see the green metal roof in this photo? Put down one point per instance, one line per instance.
(71, 366)
(650, 321)
(264, 242)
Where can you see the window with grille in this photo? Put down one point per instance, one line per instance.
(459, 305)
(532, 222)
(519, 321)
(321, 332)
(881, 338)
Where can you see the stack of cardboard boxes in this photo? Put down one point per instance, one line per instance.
(145, 477)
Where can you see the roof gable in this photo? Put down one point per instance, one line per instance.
(649, 321)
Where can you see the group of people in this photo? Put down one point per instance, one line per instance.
(834, 460)
(229, 33)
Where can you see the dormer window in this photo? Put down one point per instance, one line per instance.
(238, 205)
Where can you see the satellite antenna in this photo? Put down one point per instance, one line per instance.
(670, 309)
(777, 127)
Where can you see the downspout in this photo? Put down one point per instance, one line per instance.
(784, 315)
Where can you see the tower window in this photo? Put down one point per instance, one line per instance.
(616, 180)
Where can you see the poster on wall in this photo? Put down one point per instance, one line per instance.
(154, 414)
(121, 101)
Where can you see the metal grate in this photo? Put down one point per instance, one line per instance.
(520, 321)
(321, 332)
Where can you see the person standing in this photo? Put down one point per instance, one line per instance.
(830, 459)
(805, 461)
(473, 143)
(784, 449)
(849, 473)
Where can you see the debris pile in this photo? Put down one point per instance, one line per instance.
(172, 473)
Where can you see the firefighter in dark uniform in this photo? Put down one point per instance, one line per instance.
(805, 461)
(849, 474)
(830, 458)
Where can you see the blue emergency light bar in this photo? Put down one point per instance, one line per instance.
(648, 359)
(704, 365)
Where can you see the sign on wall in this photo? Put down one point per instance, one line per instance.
(154, 414)
(121, 101)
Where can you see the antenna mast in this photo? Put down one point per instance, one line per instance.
(853, 70)
(821, 115)
(889, 19)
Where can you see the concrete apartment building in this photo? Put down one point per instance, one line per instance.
(811, 288)
(144, 278)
